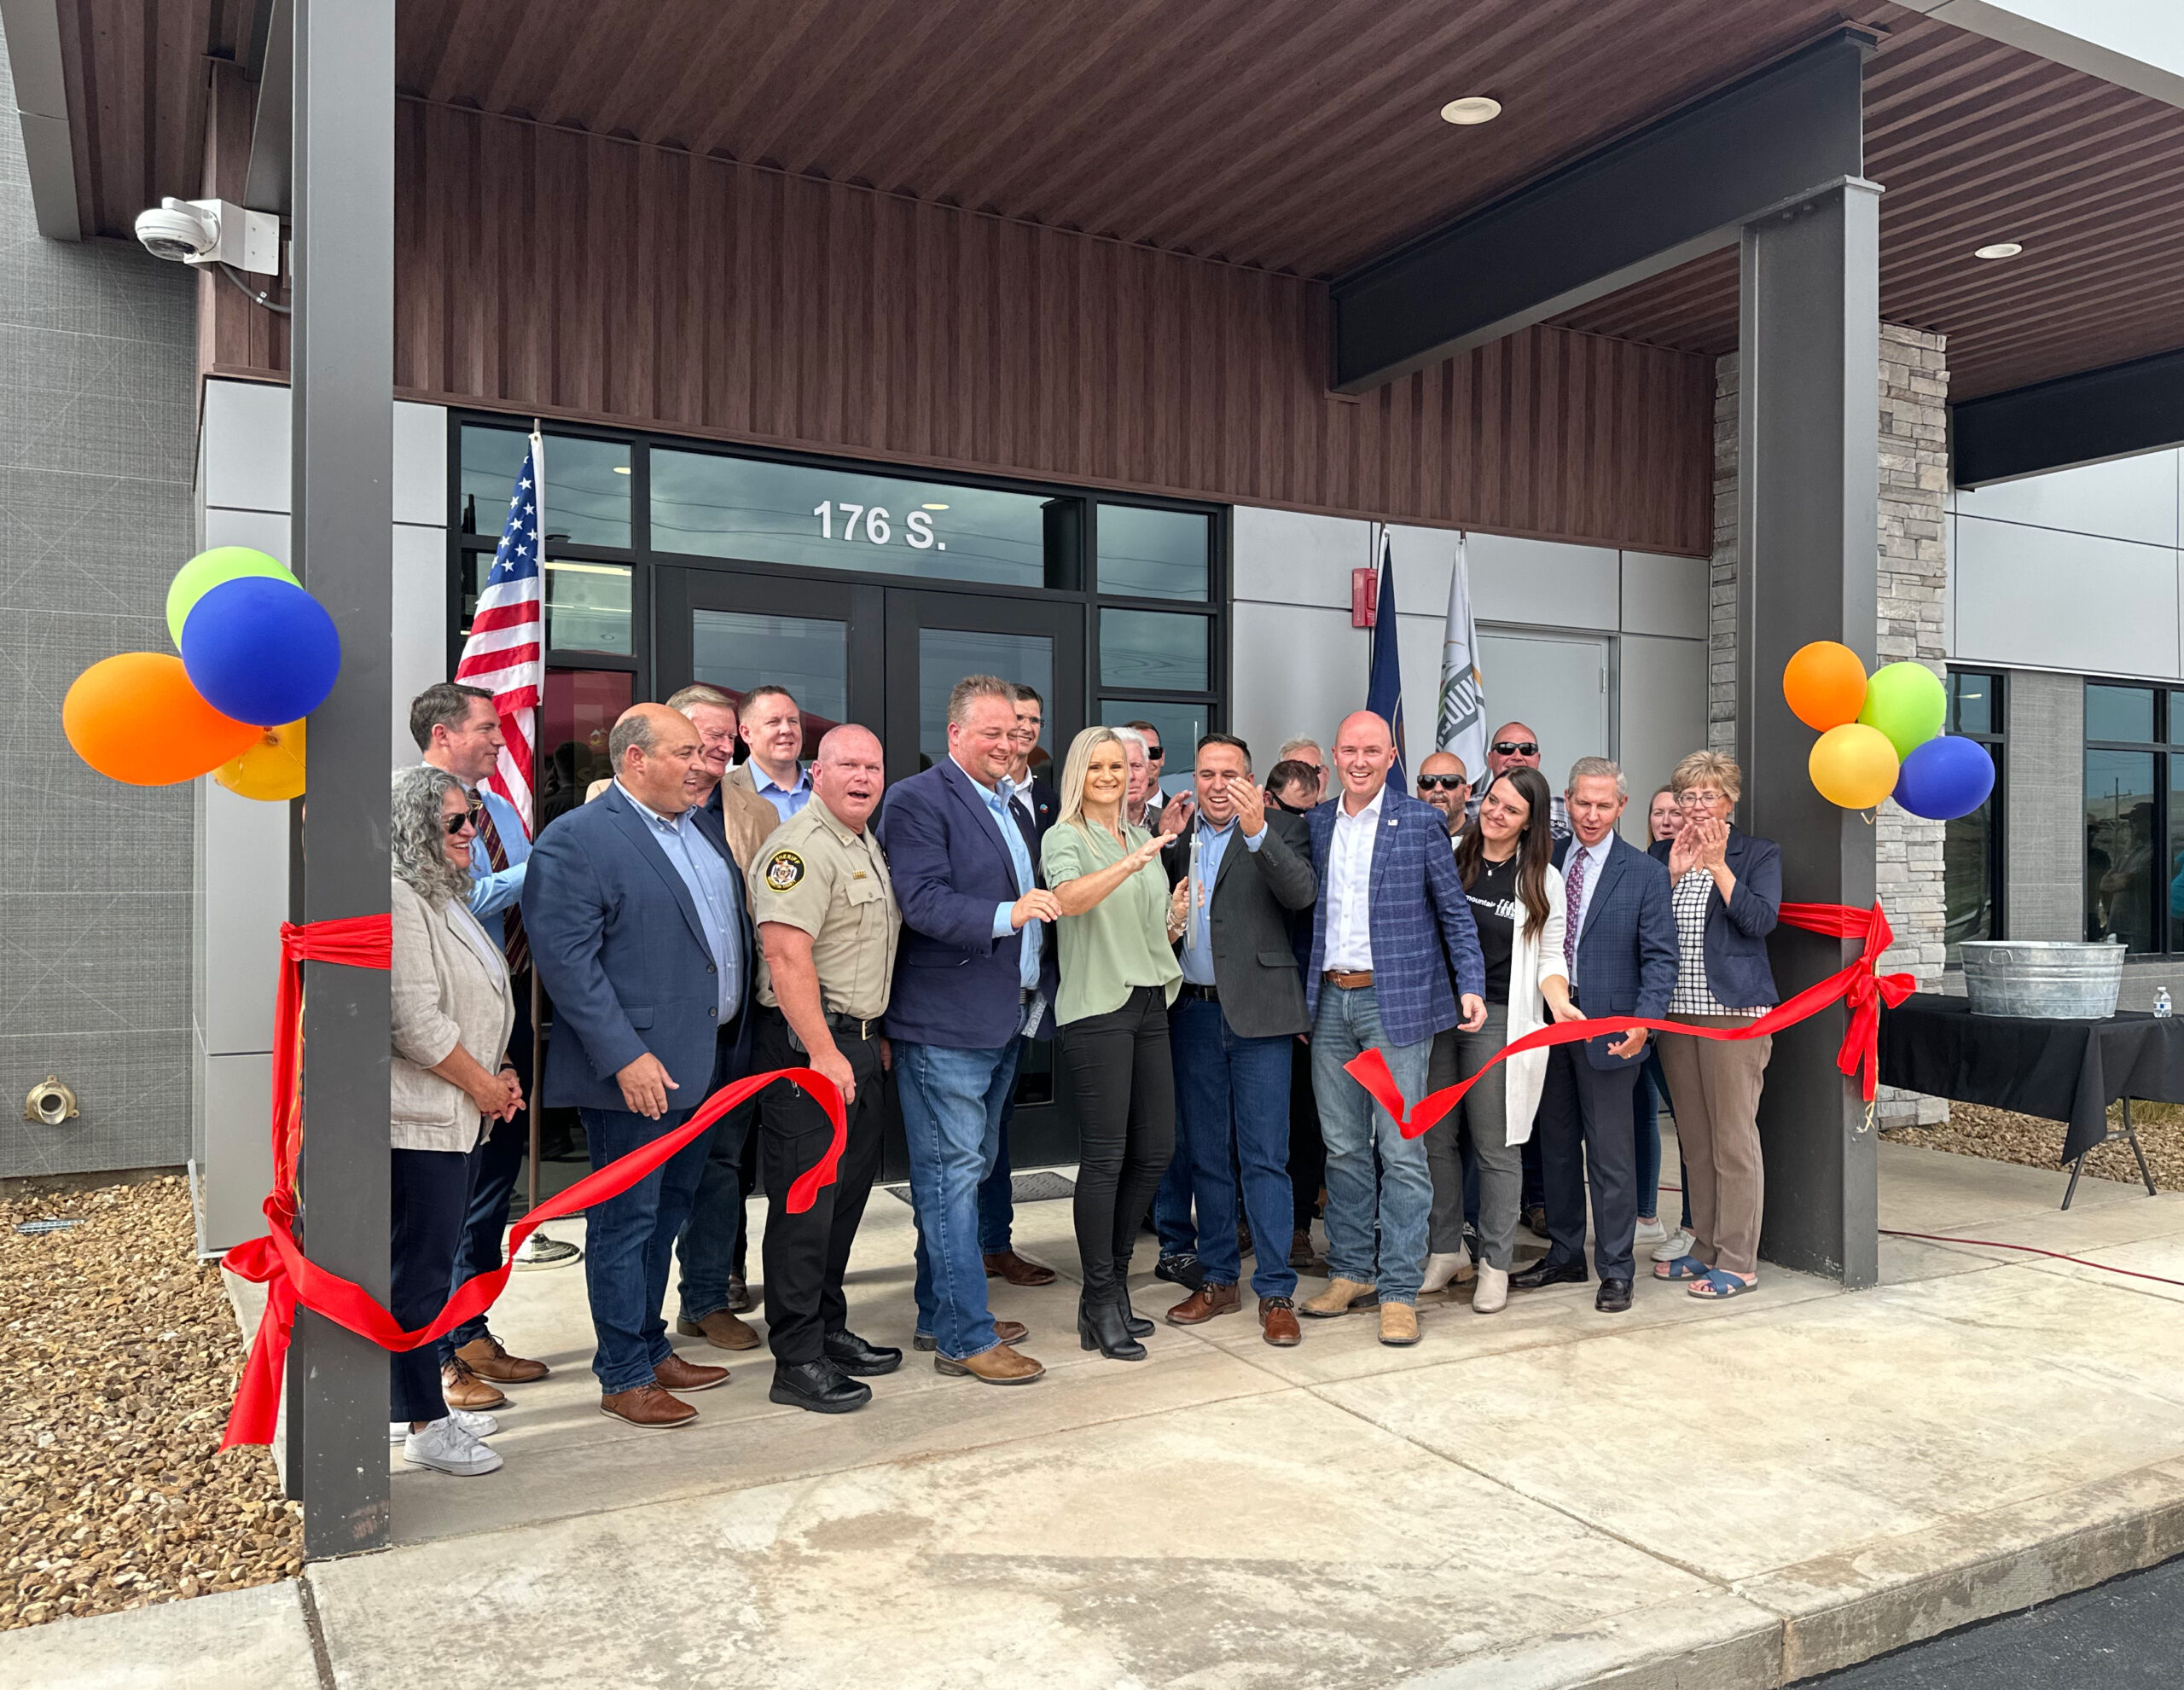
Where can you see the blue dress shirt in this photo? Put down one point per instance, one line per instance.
(786, 800)
(1019, 857)
(712, 889)
(1212, 846)
(492, 891)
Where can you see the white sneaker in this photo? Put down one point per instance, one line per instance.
(1441, 1268)
(477, 1425)
(1491, 1296)
(445, 1447)
(1678, 1244)
(1650, 1232)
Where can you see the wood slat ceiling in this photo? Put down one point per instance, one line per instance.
(1298, 136)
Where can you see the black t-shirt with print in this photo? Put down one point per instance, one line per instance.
(1495, 910)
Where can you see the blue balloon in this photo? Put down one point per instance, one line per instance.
(1947, 778)
(261, 650)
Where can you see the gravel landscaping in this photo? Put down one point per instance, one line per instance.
(2001, 1136)
(120, 1355)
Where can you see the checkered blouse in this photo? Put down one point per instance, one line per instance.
(1693, 996)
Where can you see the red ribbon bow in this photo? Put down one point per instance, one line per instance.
(277, 1262)
(1861, 984)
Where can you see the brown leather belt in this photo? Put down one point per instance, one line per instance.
(1349, 980)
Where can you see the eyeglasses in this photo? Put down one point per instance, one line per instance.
(456, 824)
(1444, 783)
(1516, 747)
(1696, 797)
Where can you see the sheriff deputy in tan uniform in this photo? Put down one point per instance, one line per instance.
(825, 910)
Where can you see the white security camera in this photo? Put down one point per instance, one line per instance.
(212, 231)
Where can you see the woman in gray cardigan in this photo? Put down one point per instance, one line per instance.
(452, 1015)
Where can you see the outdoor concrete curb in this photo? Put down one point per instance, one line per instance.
(257, 1637)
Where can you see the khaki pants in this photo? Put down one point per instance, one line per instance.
(1716, 1085)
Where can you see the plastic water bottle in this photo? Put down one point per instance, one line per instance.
(2161, 1010)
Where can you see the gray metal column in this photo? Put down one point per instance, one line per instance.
(1807, 474)
(342, 376)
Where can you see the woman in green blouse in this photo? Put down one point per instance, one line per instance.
(1118, 975)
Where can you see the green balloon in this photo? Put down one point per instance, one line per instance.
(1906, 702)
(207, 571)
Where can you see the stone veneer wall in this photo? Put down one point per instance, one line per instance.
(1912, 574)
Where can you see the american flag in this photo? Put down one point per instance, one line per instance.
(505, 651)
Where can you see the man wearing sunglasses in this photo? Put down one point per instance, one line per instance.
(1443, 783)
(1514, 746)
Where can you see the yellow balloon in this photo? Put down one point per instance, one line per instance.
(1854, 766)
(272, 768)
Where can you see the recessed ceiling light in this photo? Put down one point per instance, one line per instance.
(936, 506)
(1472, 108)
(2000, 249)
(621, 469)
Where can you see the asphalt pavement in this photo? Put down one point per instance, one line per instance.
(2124, 1634)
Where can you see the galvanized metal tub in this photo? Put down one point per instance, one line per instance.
(2056, 979)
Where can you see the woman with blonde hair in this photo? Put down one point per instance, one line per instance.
(1118, 976)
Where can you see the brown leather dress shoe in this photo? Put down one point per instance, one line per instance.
(1000, 1365)
(648, 1407)
(463, 1389)
(1204, 1303)
(720, 1329)
(676, 1375)
(1008, 1331)
(1278, 1322)
(485, 1357)
(1017, 1271)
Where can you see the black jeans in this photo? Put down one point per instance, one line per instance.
(805, 1255)
(1124, 1086)
(496, 1160)
(427, 1191)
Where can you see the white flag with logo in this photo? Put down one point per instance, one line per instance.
(1462, 725)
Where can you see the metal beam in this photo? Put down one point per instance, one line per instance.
(32, 28)
(2088, 418)
(1656, 199)
(1807, 512)
(343, 510)
(265, 184)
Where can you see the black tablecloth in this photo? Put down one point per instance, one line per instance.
(2061, 1070)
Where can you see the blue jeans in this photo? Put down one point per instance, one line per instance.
(706, 1249)
(1171, 1209)
(997, 1192)
(952, 1103)
(628, 1240)
(1402, 1199)
(1232, 1090)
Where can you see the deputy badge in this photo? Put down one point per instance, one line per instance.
(784, 869)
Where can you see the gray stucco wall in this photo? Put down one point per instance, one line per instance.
(97, 428)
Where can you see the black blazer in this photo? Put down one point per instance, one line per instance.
(1738, 972)
(1254, 965)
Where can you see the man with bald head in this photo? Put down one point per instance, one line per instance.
(639, 929)
(1442, 783)
(1391, 916)
(1514, 746)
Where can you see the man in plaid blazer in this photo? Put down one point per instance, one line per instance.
(1391, 919)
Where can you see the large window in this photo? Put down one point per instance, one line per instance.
(2135, 815)
(1972, 849)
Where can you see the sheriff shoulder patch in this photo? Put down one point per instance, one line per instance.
(784, 869)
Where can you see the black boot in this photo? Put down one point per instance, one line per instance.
(1137, 1324)
(1100, 1326)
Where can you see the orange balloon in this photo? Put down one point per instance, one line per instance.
(136, 718)
(1825, 685)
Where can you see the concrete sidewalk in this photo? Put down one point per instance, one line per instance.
(1688, 1495)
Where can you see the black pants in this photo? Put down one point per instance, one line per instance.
(1308, 1151)
(496, 1160)
(806, 1255)
(427, 1194)
(1124, 1086)
(1588, 1134)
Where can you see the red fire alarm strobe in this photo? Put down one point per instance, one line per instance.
(1364, 596)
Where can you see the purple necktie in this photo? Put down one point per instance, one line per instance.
(1575, 885)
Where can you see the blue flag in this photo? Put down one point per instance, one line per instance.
(1384, 692)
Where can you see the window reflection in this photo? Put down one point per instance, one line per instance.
(2119, 847)
(946, 655)
(587, 485)
(809, 655)
(1165, 651)
(1154, 554)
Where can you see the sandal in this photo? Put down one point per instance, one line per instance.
(1683, 1267)
(1716, 1286)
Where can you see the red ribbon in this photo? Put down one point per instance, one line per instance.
(1861, 984)
(278, 1262)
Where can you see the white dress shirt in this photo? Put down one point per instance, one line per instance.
(1350, 874)
(1598, 854)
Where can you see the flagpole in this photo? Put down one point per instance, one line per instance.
(538, 1251)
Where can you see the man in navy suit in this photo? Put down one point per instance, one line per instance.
(974, 975)
(1619, 944)
(638, 923)
(1391, 916)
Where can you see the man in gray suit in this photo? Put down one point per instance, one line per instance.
(1237, 872)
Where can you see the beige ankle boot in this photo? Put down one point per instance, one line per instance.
(1491, 1296)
